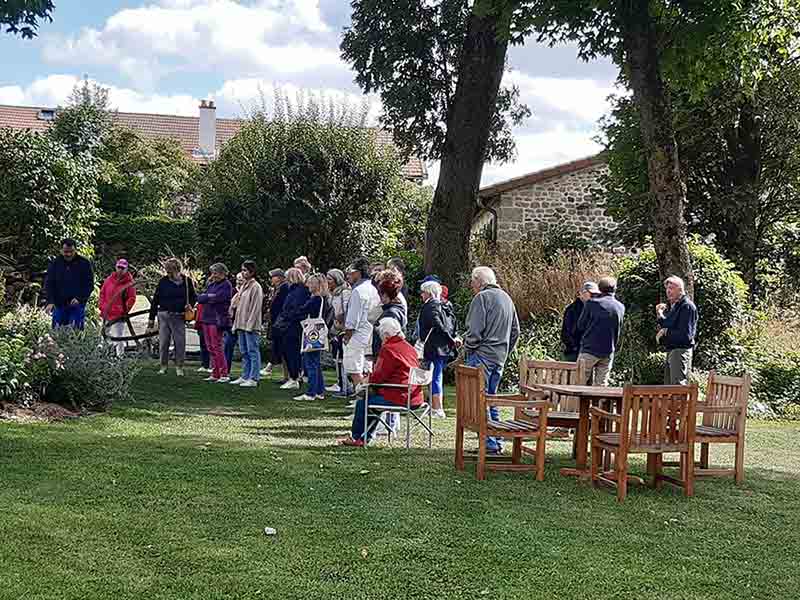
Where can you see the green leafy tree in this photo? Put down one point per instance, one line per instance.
(21, 17)
(437, 67)
(84, 124)
(740, 161)
(657, 42)
(142, 177)
(46, 194)
(306, 182)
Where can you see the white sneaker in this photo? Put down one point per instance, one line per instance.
(237, 381)
(320, 397)
(224, 380)
(201, 370)
(334, 389)
(291, 385)
(162, 371)
(211, 379)
(438, 414)
(303, 397)
(179, 372)
(248, 383)
(266, 372)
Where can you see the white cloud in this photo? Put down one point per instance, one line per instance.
(146, 43)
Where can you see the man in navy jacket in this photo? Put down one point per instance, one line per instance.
(570, 334)
(69, 284)
(677, 329)
(601, 323)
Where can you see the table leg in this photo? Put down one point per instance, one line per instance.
(582, 435)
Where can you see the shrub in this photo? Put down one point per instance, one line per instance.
(776, 385)
(46, 194)
(25, 322)
(719, 293)
(540, 338)
(144, 240)
(13, 377)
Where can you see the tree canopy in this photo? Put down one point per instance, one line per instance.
(21, 17)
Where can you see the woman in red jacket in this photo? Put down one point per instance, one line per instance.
(396, 358)
(117, 297)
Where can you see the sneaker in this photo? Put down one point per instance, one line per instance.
(303, 397)
(237, 381)
(211, 379)
(319, 397)
(248, 383)
(266, 372)
(438, 414)
(162, 371)
(179, 372)
(333, 388)
(291, 385)
(201, 370)
(224, 380)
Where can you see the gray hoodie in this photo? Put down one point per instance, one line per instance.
(492, 326)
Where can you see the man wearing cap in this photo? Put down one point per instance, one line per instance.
(570, 334)
(677, 328)
(357, 328)
(280, 289)
(69, 284)
(601, 323)
(117, 297)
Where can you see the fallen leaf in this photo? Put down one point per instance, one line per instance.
(270, 531)
(364, 553)
(363, 472)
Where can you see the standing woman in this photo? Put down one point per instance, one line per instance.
(390, 285)
(435, 326)
(117, 297)
(315, 307)
(340, 299)
(229, 337)
(215, 319)
(247, 306)
(288, 326)
(174, 296)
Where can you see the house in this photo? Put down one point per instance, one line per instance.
(562, 196)
(201, 137)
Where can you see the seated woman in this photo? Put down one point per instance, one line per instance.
(397, 357)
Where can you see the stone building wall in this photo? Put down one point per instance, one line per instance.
(569, 200)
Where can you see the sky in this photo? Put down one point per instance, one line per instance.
(163, 56)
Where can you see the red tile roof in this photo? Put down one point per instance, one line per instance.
(184, 130)
(540, 176)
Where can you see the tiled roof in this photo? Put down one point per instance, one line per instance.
(496, 189)
(184, 130)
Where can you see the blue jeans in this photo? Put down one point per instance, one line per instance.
(229, 343)
(437, 383)
(492, 373)
(69, 316)
(251, 355)
(357, 431)
(313, 370)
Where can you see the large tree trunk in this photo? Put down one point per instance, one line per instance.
(642, 63)
(483, 59)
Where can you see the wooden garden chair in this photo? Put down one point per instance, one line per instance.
(472, 403)
(564, 409)
(724, 417)
(654, 420)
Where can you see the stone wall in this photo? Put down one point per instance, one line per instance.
(568, 200)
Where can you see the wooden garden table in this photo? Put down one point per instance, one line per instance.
(585, 394)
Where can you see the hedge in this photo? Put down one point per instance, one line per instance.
(144, 240)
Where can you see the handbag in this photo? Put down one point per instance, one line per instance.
(419, 346)
(189, 314)
(315, 333)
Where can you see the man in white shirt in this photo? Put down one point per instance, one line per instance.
(357, 328)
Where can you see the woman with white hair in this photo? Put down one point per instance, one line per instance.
(436, 331)
(395, 361)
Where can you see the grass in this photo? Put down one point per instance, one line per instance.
(168, 495)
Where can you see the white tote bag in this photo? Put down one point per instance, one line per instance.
(419, 346)
(315, 333)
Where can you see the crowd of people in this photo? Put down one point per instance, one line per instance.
(360, 315)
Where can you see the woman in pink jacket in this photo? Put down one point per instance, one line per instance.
(117, 297)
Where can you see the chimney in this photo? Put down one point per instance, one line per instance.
(208, 128)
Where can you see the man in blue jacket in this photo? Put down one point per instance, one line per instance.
(570, 334)
(601, 323)
(68, 285)
(677, 328)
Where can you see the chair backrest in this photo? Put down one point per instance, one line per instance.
(532, 372)
(658, 415)
(470, 410)
(726, 392)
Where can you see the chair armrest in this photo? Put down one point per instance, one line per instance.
(516, 401)
(705, 408)
(604, 414)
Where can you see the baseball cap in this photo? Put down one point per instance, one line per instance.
(591, 287)
(277, 273)
(122, 263)
(431, 278)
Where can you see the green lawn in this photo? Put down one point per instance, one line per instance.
(168, 496)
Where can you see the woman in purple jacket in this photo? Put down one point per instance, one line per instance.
(215, 318)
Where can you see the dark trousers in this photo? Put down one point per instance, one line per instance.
(230, 339)
(205, 357)
(291, 352)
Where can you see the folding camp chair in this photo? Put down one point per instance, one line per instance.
(416, 377)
